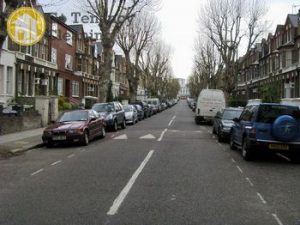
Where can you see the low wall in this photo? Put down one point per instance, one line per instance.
(11, 124)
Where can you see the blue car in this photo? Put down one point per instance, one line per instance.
(267, 126)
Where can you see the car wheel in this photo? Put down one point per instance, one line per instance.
(220, 138)
(115, 126)
(231, 143)
(295, 157)
(124, 124)
(103, 132)
(247, 152)
(49, 145)
(86, 138)
(214, 130)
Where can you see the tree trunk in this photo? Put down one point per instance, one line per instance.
(106, 85)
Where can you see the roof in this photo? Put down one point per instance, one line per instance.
(294, 19)
(78, 27)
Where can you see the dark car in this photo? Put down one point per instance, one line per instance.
(140, 111)
(223, 122)
(267, 126)
(113, 114)
(75, 126)
(145, 107)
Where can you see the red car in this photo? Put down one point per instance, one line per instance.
(75, 126)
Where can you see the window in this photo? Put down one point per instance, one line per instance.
(54, 29)
(9, 81)
(247, 114)
(69, 37)
(75, 88)
(68, 62)
(60, 86)
(53, 55)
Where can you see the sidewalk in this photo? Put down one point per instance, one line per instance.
(15, 143)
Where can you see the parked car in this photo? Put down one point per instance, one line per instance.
(223, 122)
(140, 111)
(75, 126)
(156, 104)
(267, 126)
(131, 114)
(209, 102)
(113, 114)
(145, 107)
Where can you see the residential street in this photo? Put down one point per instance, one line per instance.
(165, 170)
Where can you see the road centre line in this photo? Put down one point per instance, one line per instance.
(82, 150)
(249, 181)
(162, 134)
(173, 118)
(239, 168)
(232, 159)
(57, 162)
(70, 156)
(261, 198)
(119, 200)
(277, 219)
(36, 172)
(170, 123)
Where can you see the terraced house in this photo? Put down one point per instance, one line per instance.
(273, 64)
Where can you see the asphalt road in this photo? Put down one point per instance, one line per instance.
(165, 170)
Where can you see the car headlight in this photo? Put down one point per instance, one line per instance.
(74, 131)
(109, 117)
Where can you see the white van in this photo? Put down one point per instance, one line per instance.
(209, 102)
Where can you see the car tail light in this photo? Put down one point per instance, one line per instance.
(252, 132)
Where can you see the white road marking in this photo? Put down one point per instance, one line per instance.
(119, 200)
(249, 181)
(261, 198)
(162, 135)
(121, 137)
(173, 117)
(55, 163)
(82, 150)
(277, 219)
(170, 123)
(220, 144)
(148, 136)
(213, 137)
(70, 156)
(36, 172)
(284, 157)
(232, 159)
(239, 168)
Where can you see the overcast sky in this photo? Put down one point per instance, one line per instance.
(179, 25)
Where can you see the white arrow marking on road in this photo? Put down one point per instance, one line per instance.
(121, 137)
(148, 136)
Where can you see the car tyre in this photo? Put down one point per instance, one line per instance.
(115, 126)
(247, 152)
(220, 138)
(86, 138)
(49, 145)
(231, 143)
(124, 124)
(214, 130)
(295, 157)
(103, 132)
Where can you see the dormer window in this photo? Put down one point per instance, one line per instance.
(54, 30)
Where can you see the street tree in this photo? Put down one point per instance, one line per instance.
(112, 15)
(228, 24)
(134, 38)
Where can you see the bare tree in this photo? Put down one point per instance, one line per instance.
(228, 23)
(112, 15)
(134, 38)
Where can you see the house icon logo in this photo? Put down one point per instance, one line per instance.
(26, 26)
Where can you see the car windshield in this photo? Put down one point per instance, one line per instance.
(268, 113)
(128, 108)
(100, 107)
(74, 116)
(231, 114)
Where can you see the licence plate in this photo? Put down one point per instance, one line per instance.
(59, 138)
(279, 146)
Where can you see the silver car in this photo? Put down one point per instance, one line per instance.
(131, 114)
